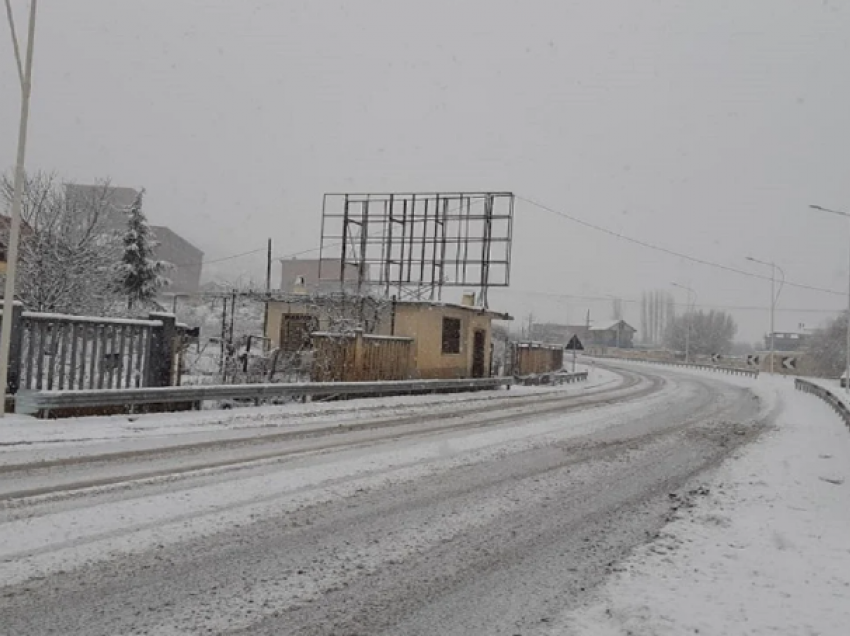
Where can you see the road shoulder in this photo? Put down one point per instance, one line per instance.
(760, 548)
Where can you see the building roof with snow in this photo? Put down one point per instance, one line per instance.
(611, 325)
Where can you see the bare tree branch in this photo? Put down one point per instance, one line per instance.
(68, 260)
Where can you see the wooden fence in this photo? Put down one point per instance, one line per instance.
(533, 357)
(360, 358)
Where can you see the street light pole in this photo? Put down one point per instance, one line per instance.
(25, 76)
(774, 298)
(847, 366)
(691, 310)
(772, 318)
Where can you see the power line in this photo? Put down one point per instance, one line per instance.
(241, 254)
(670, 252)
(219, 260)
(314, 249)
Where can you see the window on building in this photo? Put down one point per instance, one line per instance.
(451, 335)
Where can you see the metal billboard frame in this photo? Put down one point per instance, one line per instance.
(414, 244)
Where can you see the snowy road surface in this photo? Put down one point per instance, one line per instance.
(495, 514)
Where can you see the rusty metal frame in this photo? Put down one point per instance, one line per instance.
(414, 244)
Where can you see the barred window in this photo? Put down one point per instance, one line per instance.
(451, 335)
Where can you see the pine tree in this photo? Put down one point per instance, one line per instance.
(142, 275)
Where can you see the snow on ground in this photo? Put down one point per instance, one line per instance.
(765, 552)
(17, 431)
(67, 538)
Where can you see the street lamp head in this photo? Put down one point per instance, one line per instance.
(760, 262)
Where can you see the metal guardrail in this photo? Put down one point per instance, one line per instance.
(43, 402)
(752, 373)
(554, 378)
(826, 395)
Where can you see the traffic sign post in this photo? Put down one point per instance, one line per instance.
(574, 345)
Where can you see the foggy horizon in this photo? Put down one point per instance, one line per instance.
(707, 130)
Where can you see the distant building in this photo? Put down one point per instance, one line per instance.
(302, 276)
(185, 258)
(551, 332)
(786, 341)
(612, 333)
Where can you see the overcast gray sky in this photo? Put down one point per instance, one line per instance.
(707, 127)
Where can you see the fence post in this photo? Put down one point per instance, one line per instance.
(359, 371)
(13, 381)
(162, 350)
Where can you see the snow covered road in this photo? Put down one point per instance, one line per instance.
(475, 515)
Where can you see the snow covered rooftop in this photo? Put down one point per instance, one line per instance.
(609, 325)
(496, 315)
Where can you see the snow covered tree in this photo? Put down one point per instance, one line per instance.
(826, 348)
(67, 253)
(616, 308)
(657, 310)
(709, 332)
(142, 276)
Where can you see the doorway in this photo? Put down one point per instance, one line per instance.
(478, 357)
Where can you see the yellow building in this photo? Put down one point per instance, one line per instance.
(449, 340)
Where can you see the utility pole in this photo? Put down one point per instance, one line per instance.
(268, 289)
(223, 364)
(25, 77)
(773, 300)
(847, 370)
(232, 315)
